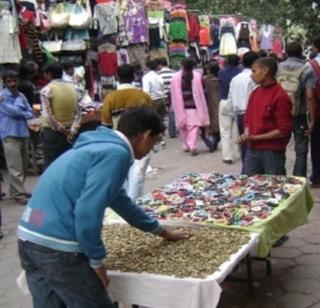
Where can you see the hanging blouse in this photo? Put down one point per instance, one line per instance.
(204, 37)
(215, 33)
(266, 37)
(156, 19)
(243, 31)
(108, 16)
(136, 22)
(10, 51)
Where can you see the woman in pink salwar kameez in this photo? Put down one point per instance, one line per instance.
(189, 105)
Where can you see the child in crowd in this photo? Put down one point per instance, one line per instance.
(267, 122)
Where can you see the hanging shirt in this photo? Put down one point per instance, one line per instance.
(108, 16)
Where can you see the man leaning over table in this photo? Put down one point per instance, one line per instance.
(59, 233)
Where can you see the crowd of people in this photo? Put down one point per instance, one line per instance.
(263, 99)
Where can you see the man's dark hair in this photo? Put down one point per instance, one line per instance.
(213, 68)
(187, 64)
(262, 53)
(67, 65)
(249, 58)
(9, 74)
(270, 63)
(163, 61)
(137, 120)
(26, 71)
(125, 73)
(316, 42)
(54, 69)
(233, 60)
(152, 65)
(294, 49)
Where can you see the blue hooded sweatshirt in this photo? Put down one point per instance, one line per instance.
(67, 207)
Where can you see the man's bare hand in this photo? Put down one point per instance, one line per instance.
(102, 274)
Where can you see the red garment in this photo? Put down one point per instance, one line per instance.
(269, 108)
(194, 28)
(107, 63)
(204, 37)
(277, 47)
(316, 68)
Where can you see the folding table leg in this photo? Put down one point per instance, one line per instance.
(249, 275)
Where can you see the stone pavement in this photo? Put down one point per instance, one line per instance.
(294, 283)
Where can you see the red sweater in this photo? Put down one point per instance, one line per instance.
(269, 108)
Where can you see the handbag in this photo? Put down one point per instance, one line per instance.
(74, 45)
(53, 46)
(59, 17)
(80, 17)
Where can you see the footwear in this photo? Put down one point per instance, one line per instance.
(281, 241)
(186, 150)
(194, 153)
(1, 235)
(22, 200)
(228, 161)
(213, 148)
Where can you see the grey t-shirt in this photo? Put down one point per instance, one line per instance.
(308, 78)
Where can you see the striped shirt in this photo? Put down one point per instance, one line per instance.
(166, 75)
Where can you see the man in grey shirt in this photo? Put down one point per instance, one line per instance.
(303, 123)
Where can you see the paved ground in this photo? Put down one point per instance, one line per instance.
(295, 282)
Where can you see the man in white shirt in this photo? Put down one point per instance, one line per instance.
(241, 87)
(153, 84)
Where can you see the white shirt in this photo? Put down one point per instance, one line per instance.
(126, 140)
(241, 87)
(152, 84)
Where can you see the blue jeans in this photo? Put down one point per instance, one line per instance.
(315, 153)
(59, 279)
(264, 162)
(171, 125)
(299, 126)
(243, 146)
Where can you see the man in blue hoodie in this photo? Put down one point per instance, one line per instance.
(59, 233)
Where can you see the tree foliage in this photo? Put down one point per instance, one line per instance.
(285, 13)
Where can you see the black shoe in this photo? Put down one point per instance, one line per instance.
(228, 161)
(1, 235)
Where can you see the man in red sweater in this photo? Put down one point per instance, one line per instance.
(267, 122)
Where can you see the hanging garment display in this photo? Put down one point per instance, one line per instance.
(178, 31)
(108, 63)
(220, 199)
(243, 35)
(194, 28)
(10, 51)
(136, 22)
(266, 37)
(215, 34)
(108, 16)
(278, 47)
(228, 44)
(255, 35)
(137, 54)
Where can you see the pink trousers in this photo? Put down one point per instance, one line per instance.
(189, 136)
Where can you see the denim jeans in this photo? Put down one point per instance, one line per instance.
(243, 146)
(264, 162)
(59, 279)
(299, 126)
(171, 125)
(315, 153)
(54, 144)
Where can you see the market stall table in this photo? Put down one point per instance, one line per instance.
(270, 206)
(164, 290)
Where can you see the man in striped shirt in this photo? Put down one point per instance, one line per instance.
(166, 74)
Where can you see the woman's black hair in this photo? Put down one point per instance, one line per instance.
(54, 69)
(135, 121)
